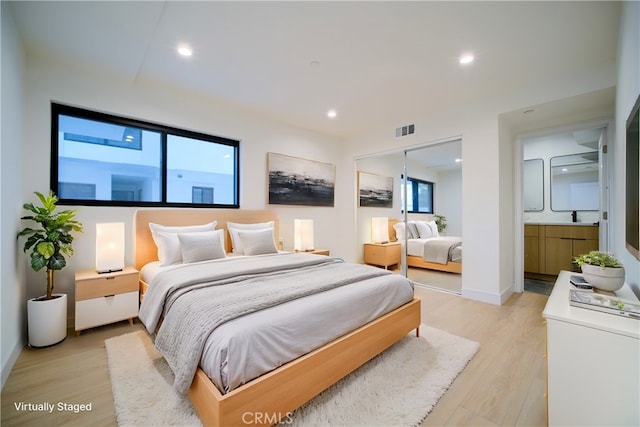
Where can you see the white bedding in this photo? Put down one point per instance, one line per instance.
(248, 346)
(415, 247)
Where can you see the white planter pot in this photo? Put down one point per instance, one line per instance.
(47, 321)
(607, 279)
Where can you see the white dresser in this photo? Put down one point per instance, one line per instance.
(593, 363)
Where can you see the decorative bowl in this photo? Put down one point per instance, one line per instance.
(606, 279)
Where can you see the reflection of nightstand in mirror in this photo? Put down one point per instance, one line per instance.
(316, 252)
(382, 254)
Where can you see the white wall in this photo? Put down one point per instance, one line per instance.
(449, 200)
(12, 293)
(627, 91)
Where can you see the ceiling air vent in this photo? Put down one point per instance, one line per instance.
(405, 130)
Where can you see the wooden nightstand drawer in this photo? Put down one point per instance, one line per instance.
(106, 298)
(90, 284)
(382, 254)
(108, 309)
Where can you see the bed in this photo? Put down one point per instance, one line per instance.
(274, 394)
(442, 253)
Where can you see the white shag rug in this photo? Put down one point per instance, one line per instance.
(399, 387)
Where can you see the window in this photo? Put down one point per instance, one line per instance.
(102, 159)
(419, 196)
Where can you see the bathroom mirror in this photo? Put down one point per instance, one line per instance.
(575, 182)
(533, 185)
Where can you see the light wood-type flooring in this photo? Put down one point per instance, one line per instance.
(502, 386)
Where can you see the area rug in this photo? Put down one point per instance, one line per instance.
(399, 387)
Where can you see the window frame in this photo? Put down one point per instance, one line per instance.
(416, 199)
(164, 130)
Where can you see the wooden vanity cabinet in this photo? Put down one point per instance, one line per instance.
(531, 248)
(549, 249)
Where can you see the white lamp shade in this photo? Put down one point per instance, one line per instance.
(303, 235)
(109, 247)
(380, 229)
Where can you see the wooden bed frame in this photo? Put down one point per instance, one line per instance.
(275, 395)
(416, 261)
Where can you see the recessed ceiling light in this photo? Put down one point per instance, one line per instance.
(458, 160)
(332, 114)
(185, 50)
(466, 58)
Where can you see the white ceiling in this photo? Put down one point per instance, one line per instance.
(380, 63)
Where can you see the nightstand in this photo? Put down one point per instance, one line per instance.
(106, 298)
(382, 254)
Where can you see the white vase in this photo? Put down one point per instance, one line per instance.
(47, 320)
(606, 279)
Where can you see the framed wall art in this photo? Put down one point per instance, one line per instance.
(296, 181)
(375, 190)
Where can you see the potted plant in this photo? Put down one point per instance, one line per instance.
(601, 270)
(48, 244)
(441, 222)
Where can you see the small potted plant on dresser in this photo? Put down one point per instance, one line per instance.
(601, 270)
(47, 245)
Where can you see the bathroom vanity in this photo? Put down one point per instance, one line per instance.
(550, 248)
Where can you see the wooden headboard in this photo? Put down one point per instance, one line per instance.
(145, 249)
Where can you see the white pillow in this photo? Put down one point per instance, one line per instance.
(434, 228)
(202, 246)
(424, 231)
(257, 242)
(234, 228)
(399, 227)
(412, 230)
(167, 242)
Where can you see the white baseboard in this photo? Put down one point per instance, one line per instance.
(487, 297)
(13, 357)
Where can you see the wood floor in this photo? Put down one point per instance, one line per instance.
(502, 386)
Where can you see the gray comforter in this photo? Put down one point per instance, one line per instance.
(194, 299)
(438, 250)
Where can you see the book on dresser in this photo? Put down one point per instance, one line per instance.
(606, 302)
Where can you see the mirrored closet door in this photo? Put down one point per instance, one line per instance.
(409, 214)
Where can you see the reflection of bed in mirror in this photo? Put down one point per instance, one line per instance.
(288, 384)
(431, 251)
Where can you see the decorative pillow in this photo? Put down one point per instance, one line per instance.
(424, 231)
(234, 228)
(400, 228)
(412, 230)
(202, 246)
(434, 228)
(167, 242)
(257, 242)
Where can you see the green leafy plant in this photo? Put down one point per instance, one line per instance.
(51, 241)
(602, 259)
(441, 222)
